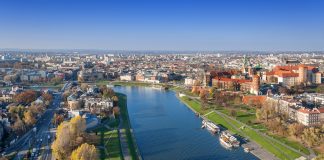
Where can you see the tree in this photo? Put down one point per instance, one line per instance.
(295, 129)
(77, 126)
(17, 111)
(258, 114)
(203, 94)
(237, 100)
(69, 136)
(7, 78)
(84, 86)
(320, 89)
(61, 146)
(273, 125)
(80, 79)
(57, 119)
(195, 89)
(283, 90)
(26, 97)
(319, 157)
(29, 118)
(106, 92)
(47, 97)
(233, 113)
(85, 152)
(19, 126)
(312, 136)
(212, 92)
(57, 80)
(115, 100)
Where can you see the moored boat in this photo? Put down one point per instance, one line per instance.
(157, 87)
(228, 140)
(210, 126)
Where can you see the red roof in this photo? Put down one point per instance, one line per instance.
(233, 80)
(287, 71)
(315, 110)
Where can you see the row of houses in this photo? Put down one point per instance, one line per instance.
(295, 108)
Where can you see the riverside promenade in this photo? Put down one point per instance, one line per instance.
(257, 150)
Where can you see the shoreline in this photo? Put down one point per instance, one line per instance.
(128, 127)
(258, 150)
(254, 151)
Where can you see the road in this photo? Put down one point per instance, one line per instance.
(40, 137)
(35, 139)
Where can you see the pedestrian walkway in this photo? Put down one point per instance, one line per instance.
(208, 113)
(123, 141)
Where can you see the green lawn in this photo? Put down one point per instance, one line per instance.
(293, 144)
(110, 140)
(260, 139)
(277, 149)
(124, 114)
(194, 104)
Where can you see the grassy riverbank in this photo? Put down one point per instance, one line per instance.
(241, 119)
(109, 140)
(126, 125)
(275, 148)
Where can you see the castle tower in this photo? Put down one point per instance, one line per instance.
(255, 88)
(302, 74)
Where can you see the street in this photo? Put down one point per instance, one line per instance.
(35, 140)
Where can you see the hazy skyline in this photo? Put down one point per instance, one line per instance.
(163, 24)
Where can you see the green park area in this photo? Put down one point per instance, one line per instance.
(126, 126)
(221, 116)
(109, 141)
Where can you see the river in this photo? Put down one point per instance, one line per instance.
(166, 129)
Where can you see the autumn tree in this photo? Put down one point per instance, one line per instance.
(77, 126)
(258, 114)
(237, 100)
(69, 136)
(29, 118)
(295, 129)
(115, 100)
(19, 126)
(84, 86)
(106, 92)
(273, 125)
(57, 119)
(62, 146)
(319, 157)
(312, 136)
(57, 80)
(283, 90)
(212, 92)
(17, 111)
(36, 109)
(26, 97)
(320, 89)
(85, 152)
(47, 97)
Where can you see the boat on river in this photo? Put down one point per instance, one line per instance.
(210, 126)
(157, 87)
(228, 140)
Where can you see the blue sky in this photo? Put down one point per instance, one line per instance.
(264, 25)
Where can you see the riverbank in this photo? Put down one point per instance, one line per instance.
(253, 133)
(264, 142)
(127, 138)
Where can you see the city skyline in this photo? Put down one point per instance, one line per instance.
(163, 25)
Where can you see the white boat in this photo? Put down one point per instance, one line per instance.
(228, 140)
(247, 150)
(210, 126)
(157, 87)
